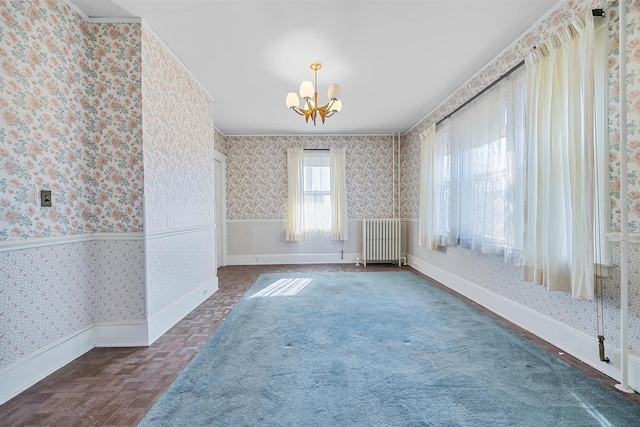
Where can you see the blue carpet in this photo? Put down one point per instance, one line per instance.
(376, 349)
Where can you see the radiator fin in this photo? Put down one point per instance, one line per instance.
(381, 240)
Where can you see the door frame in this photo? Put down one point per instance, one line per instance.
(221, 223)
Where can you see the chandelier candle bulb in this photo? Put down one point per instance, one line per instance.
(309, 94)
(292, 100)
(334, 92)
(306, 90)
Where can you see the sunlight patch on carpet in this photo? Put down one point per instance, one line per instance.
(284, 287)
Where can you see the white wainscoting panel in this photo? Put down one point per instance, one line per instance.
(263, 242)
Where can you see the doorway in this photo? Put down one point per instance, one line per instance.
(220, 174)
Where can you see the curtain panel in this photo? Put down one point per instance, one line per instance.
(558, 241)
(427, 226)
(295, 201)
(479, 173)
(339, 218)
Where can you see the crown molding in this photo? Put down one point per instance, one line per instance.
(102, 20)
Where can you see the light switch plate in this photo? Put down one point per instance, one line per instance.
(45, 198)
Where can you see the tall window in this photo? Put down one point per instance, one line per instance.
(479, 171)
(317, 191)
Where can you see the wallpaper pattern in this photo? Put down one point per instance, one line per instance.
(70, 123)
(50, 292)
(220, 142)
(517, 52)
(257, 174)
(178, 142)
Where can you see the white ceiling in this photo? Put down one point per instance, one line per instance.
(396, 60)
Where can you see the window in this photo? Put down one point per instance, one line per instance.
(317, 191)
(479, 171)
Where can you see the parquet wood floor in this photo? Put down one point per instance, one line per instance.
(118, 386)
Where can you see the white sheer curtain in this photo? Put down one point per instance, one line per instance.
(339, 226)
(479, 172)
(488, 138)
(295, 202)
(427, 226)
(558, 246)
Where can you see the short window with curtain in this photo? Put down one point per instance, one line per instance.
(317, 192)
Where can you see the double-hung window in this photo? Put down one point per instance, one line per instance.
(479, 171)
(317, 191)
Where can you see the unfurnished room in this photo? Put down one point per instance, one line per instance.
(319, 213)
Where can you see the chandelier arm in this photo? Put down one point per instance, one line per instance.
(294, 108)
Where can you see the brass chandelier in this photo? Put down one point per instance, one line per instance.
(309, 94)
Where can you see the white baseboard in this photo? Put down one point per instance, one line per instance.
(22, 374)
(165, 319)
(121, 334)
(571, 341)
(270, 259)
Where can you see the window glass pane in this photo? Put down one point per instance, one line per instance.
(317, 188)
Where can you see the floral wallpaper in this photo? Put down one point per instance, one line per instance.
(70, 123)
(516, 53)
(633, 115)
(221, 143)
(178, 142)
(257, 174)
(82, 283)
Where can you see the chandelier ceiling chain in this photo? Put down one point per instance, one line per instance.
(309, 94)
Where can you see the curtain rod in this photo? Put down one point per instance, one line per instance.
(594, 12)
(316, 149)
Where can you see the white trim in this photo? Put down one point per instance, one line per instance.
(633, 237)
(257, 221)
(222, 159)
(178, 60)
(80, 12)
(25, 372)
(163, 320)
(38, 242)
(570, 340)
(272, 259)
(134, 333)
(328, 135)
(177, 231)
